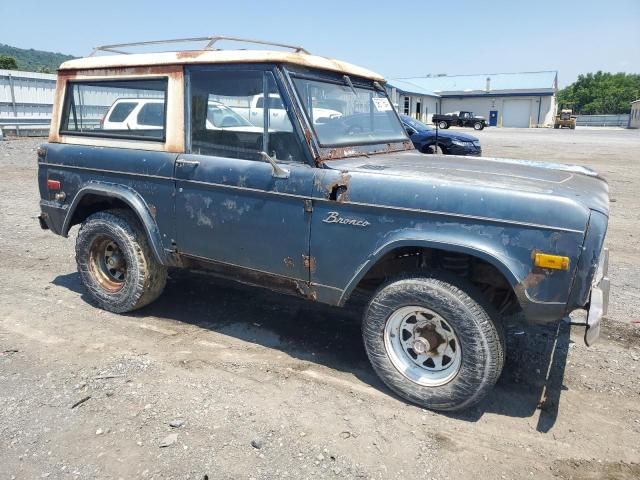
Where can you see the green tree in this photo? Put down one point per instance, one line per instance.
(8, 63)
(601, 93)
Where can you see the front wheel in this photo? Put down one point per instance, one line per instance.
(115, 262)
(434, 341)
(478, 126)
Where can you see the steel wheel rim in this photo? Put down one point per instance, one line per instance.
(422, 346)
(107, 263)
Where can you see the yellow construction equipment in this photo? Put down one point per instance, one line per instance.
(565, 119)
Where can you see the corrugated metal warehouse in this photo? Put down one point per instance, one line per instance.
(526, 99)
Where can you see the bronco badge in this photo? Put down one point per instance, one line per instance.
(334, 217)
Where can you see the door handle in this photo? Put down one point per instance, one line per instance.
(187, 163)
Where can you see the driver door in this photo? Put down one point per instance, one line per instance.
(230, 208)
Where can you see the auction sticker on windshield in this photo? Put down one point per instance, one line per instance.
(382, 104)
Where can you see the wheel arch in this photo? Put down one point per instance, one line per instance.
(505, 270)
(97, 196)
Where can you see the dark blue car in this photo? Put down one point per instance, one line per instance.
(450, 143)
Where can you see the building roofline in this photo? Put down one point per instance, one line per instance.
(475, 74)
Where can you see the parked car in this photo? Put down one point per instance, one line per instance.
(426, 140)
(459, 119)
(148, 114)
(434, 253)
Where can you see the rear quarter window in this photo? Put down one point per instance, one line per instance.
(88, 102)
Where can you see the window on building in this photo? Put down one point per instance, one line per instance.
(407, 106)
(229, 117)
(418, 110)
(116, 108)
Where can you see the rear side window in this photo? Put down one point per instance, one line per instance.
(103, 109)
(121, 111)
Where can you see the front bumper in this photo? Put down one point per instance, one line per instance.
(599, 300)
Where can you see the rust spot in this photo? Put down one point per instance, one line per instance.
(288, 262)
(533, 279)
(309, 262)
(339, 189)
(189, 54)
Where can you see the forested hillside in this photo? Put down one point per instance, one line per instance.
(34, 60)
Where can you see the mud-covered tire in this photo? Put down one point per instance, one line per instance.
(145, 277)
(473, 320)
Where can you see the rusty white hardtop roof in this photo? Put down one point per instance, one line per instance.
(217, 56)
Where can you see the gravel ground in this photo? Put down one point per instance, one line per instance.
(218, 381)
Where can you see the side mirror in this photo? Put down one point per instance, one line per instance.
(278, 171)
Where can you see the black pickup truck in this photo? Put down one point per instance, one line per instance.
(460, 119)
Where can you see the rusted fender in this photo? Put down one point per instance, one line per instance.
(131, 198)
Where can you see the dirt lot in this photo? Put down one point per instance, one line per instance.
(262, 386)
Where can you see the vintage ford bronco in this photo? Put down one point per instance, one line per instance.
(330, 208)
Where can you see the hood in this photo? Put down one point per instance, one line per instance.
(537, 192)
(465, 137)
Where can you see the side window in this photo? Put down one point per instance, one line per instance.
(229, 118)
(106, 108)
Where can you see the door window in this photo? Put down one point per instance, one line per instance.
(230, 118)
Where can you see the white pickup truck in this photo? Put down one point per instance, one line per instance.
(277, 113)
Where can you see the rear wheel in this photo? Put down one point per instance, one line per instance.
(442, 124)
(115, 262)
(434, 341)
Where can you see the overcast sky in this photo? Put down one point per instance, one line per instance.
(397, 39)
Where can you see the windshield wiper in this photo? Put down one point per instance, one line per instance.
(347, 80)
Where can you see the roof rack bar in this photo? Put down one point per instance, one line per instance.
(209, 46)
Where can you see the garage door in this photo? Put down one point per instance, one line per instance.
(516, 113)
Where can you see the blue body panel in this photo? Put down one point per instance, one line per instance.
(146, 177)
(235, 212)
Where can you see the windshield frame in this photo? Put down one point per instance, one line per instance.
(332, 152)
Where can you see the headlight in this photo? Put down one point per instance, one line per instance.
(460, 143)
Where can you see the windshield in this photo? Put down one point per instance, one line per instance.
(415, 124)
(343, 113)
(222, 116)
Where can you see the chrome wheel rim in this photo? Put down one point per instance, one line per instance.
(107, 263)
(422, 346)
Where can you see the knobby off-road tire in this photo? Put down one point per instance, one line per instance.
(462, 318)
(136, 278)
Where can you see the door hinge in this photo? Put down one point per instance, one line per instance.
(308, 206)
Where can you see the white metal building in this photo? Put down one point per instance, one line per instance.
(525, 99)
(410, 99)
(634, 116)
